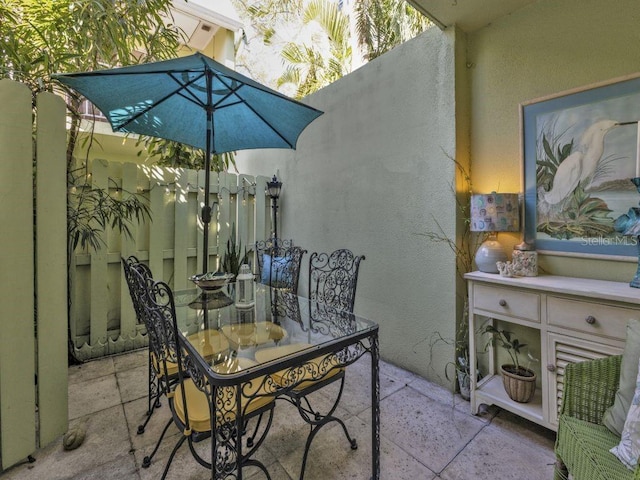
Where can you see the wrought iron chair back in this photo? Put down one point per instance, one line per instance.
(263, 246)
(160, 311)
(132, 263)
(139, 281)
(285, 304)
(333, 279)
(283, 268)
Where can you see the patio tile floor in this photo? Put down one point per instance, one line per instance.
(426, 433)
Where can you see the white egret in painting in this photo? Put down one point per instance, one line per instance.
(581, 164)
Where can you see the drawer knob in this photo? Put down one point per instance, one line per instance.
(503, 302)
(551, 367)
(590, 319)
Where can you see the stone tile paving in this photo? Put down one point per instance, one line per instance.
(426, 433)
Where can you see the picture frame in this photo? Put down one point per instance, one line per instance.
(570, 208)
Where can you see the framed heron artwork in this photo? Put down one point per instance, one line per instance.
(580, 151)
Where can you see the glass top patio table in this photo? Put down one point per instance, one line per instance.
(280, 333)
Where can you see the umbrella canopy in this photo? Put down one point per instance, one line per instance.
(197, 101)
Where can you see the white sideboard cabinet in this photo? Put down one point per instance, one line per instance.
(577, 319)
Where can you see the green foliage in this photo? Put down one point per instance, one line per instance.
(307, 67)
(90, 211)
(167, 153)
(505, 339)
(384, 24)
(43, 37)
(232, 260)
(267, 15)
(381, 25)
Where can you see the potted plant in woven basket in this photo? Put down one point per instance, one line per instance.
(519, 382)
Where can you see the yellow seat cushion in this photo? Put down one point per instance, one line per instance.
(208, 343)
(314, 370)
(198, 406)
(253, 334)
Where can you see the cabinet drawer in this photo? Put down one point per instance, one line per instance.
(587, 317)
(513, 303)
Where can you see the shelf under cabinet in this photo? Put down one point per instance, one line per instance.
(490, 391)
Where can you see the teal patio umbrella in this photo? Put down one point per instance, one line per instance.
(196, 101)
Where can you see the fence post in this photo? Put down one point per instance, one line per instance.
(99, 307)
(181, 226)
(17, 345)
(128, 329)
(157, 192)
(51, 267)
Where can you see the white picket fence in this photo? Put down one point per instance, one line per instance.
(102, 319)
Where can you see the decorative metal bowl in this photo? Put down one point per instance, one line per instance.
(212, 281)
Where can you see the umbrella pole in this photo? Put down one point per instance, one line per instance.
(206, 219)
(206, 208)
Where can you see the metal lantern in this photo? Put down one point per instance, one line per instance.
(245, 295)
(273, 190)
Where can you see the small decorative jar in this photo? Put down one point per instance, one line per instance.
(245, 296)
(525, 260)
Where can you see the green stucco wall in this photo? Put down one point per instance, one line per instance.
(372, 174)
(548, 47)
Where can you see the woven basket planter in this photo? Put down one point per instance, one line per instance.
(520, 388)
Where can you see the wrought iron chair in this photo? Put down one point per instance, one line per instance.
(163, 370)
(138, 277)
(195, 398)
(332, 286)
(281, 267)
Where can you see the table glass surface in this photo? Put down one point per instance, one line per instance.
(279, 326)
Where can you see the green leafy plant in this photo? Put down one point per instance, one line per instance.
(231, 259)
(505, 339)
(91, 210)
